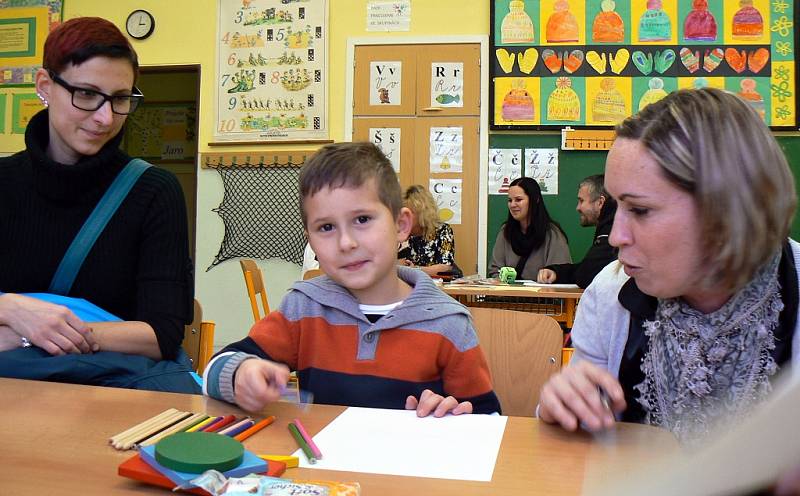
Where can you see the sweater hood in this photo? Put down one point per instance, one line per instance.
(425, 302)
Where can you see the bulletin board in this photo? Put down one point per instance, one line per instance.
(162, 131)
(272, 74)
(595, 62)
(24, 25)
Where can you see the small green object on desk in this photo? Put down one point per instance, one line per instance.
(196, 452)
(508, 275)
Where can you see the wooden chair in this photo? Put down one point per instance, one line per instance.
(312, 273)
(523, 350)
(198, 340)
(255, 284)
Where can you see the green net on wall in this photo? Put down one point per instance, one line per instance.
(261, 213)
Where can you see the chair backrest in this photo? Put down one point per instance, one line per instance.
(198, 340)
(255, 284)
(311, 273)
(523, 350)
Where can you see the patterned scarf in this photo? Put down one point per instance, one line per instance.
(706, 371)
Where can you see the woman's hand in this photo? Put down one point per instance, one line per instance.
(259, 382)
(54, 328)
(573, 397)
(430, 402)
(546, 276)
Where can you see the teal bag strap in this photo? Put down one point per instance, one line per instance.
(94, 225)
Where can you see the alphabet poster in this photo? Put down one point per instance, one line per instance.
(385, 82)
(447, 84)
(447, 149)
(272, 75)
(505, 165)
(388, 140)
(595, 62)
(447, 193)
(542, 165)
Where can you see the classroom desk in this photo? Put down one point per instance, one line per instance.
(519, 298)
(54, 441)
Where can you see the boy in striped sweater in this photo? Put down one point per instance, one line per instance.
(368, 333)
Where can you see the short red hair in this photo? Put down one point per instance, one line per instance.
(78, 40)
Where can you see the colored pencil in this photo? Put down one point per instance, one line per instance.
(179, 427)
(233, 426)
(290, 461)
(202, 424)
(240, 427)
(302, 443)
(210, 424)
(255, 428)
(140, 425)
(227, 419)
(309, 440)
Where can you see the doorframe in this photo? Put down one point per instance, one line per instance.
(483, 125)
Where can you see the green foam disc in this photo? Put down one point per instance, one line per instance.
(196, 452)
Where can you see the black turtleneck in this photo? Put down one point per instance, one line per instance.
(139, 268)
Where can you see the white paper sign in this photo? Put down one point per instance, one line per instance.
(388, 140)
(505, 165)
(389, 16)
(447, 193)
(385, 82)
(542, 165)
(447, 84)
(447, 149)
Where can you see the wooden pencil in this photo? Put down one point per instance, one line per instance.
(134, 438)
(156, 418)
(255, 428)
(148, 427)
(201, 424)
(179, 427)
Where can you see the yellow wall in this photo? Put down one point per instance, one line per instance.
(185, 34)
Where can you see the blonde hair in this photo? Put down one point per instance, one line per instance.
(421, 202)
(712, 144)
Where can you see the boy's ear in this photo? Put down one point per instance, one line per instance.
(404, 223)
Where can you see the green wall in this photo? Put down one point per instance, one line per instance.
(573, 167)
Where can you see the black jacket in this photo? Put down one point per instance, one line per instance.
(599, 255)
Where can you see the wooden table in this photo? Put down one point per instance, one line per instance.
(472, 295)
(54, 441)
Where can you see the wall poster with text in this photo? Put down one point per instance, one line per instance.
(272, 73)
(559, 63)
(24, 25)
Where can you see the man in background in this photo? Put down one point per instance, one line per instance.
(596, 208)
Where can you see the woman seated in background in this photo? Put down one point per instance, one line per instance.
(690, 336)
(139, 268)
(431, 246)
(529, 239)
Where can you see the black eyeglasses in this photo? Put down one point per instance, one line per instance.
(91, 100)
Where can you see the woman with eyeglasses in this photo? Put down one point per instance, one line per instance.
(139, 268)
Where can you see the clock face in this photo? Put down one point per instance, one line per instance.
(140, 24)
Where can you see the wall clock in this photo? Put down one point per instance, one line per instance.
(140, 24)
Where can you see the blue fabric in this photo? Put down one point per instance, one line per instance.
(105, 368)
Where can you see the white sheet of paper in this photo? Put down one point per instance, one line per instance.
(397, 442)
(551, 286)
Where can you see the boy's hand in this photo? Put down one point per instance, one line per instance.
(438, 404)
(259, 382)
(573, 397)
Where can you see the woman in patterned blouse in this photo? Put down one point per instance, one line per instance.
(431, 246)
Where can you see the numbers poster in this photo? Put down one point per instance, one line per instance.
(596, 62)
(272, 70)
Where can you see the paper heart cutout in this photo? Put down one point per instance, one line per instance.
(506, 59)
(597, 61)
(690, 60)
(619, 60)
(574, 61)
(643, 62)
(664, 60)
(527, 61)
(712, 59)
(735, 59)
(552, 60)
(758, 60)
